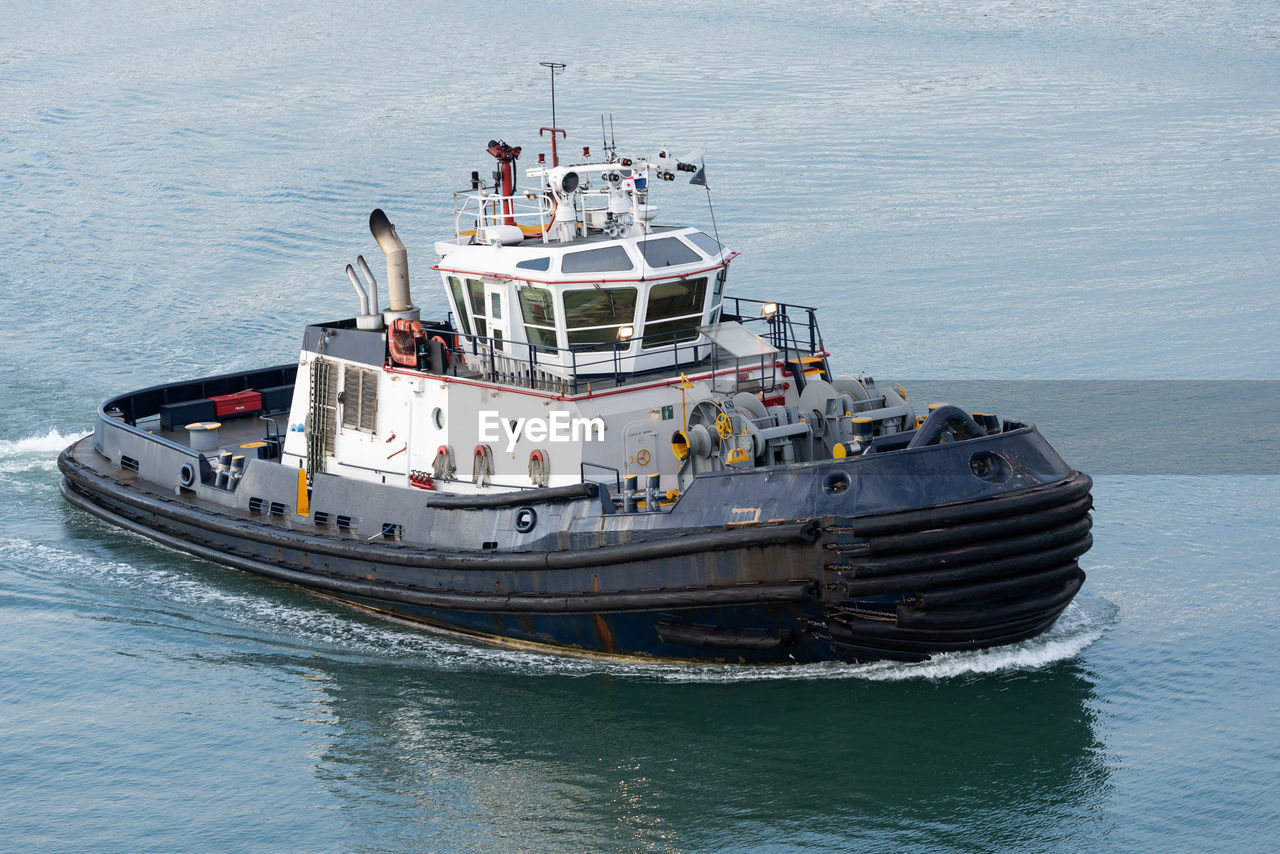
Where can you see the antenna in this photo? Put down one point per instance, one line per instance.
(703, 174)
(556, 68)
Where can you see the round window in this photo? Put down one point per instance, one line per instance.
(437, 418)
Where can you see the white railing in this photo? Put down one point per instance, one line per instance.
(473, 211)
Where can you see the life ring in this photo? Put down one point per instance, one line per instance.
(448, 352)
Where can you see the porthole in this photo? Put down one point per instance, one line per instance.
(835, 482)
(437, 418)
(990, 467)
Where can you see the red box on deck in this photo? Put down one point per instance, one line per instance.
(234, 404)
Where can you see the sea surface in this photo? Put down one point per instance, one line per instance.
(972, 192)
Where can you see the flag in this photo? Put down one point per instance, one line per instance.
(700, 177)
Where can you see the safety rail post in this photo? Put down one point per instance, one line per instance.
(617, 475)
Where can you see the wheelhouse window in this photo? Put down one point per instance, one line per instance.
(460, 300)
(706, 243)
(594, 315)
(538, 307)
(475, 289)
(606, 259)
(667, 252)
(674, 312)
(717, 293)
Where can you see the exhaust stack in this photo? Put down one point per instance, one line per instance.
(401, 306)
(370, 316)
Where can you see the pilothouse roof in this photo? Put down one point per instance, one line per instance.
(664, 252)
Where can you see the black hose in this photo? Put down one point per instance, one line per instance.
(945, 424)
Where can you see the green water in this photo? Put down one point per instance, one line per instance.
(1014, 191)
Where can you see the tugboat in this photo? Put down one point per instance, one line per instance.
(599, 451)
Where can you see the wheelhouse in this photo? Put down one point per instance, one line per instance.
(594, 305)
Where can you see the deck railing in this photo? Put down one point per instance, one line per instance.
(792, 329)
(473, 211)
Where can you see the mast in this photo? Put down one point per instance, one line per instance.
(555, 68)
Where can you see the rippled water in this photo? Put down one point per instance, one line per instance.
(968, 190)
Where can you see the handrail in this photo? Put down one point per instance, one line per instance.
(518, 363)
(782, 327)
(617, 475)
(492, 209)
(566, 370)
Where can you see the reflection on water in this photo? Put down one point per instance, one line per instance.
(571, 761)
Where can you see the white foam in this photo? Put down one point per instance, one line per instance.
(34, 453)
(51, 442)
(1075, 630)
(272, 616)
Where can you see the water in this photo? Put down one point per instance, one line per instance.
(998, 190)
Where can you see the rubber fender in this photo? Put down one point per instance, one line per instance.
(1051, 602)
(981, 531)
(971, 572)
(970, 552)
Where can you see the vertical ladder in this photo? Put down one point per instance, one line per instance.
(321, 415)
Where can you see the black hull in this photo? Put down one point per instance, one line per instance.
(901, 585)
